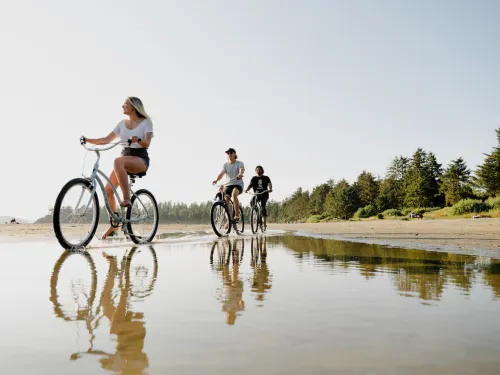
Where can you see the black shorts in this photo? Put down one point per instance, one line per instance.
(229, 189)
(139, 152)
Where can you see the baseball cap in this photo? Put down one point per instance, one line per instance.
(230, 150)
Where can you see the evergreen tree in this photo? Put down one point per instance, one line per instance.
(456, 182)
(341, 201)
(488, 173)
(367, 188)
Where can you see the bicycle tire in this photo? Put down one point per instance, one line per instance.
(151, 235)
(240, 225)
(213, 212)
(149, 289)
(254, 219)
(58, 311)
(57, 210)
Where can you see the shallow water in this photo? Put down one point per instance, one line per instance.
(276, 305)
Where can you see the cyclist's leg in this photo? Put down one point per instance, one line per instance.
(237, 191)
(112, 203)
(263, 202)
(124, 164)
(227, 194)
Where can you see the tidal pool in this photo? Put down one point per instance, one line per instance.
(266, 305)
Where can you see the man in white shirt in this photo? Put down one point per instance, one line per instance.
(234, 170)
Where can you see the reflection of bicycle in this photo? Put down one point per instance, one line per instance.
(128, 326)
(78, 204)
(256, 213)
(225, 250)
(261, 280)
(222, 217)
(230, 294)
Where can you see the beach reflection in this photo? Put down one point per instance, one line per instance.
(128, 280)
(225, 258)
(262, 278)
(415, 273)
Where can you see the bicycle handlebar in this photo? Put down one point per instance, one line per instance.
(231, 180)
(262, 192)
(83, 142)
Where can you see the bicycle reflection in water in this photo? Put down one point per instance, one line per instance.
(231, 292)
(262, 278)
(127, 325)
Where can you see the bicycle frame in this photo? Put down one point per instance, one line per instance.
(231, 203)
(95, 177)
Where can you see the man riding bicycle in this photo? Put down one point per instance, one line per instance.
(260, 183)
(234, 170)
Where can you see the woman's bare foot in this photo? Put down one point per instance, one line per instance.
(110, 232)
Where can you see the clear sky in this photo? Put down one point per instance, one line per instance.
(312, 90)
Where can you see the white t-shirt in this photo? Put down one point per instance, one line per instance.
(145, 126)
(232, 171)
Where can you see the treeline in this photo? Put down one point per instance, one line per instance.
(416, 183)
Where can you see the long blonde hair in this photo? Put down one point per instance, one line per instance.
(139, 107)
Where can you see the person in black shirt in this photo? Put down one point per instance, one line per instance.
(259, 183)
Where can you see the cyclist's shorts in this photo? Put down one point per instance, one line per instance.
(140, 152)
(229, 189)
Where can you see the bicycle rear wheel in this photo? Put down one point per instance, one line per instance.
(142, 271)
(240, 225)
(220, 219)
(144, 215)
(254, 219)
(76, 214)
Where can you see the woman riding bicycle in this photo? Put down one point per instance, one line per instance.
(135, 159)
(234, 170)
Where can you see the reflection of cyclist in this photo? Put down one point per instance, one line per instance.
(126, 325)
(135, 158)
(233, 291)
(261, 280)
(234, 170)
(259, 183)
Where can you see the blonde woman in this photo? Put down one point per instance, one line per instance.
(135, 159)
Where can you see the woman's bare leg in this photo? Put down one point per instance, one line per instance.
(124, 164)
(112, 201)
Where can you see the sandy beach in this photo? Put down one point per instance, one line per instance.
(34, 232)
(446, 234)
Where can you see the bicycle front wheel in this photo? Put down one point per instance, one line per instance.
(220, 219)
(254, 219)
(76, 214)
(143, 217)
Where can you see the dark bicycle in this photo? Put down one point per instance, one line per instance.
(221, 217)
(256, 213)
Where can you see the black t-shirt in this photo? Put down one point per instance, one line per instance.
(259, 184)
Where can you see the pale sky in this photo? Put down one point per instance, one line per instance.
(312, 90)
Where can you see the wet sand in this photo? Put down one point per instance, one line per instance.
(37, 232)
(445, 234)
